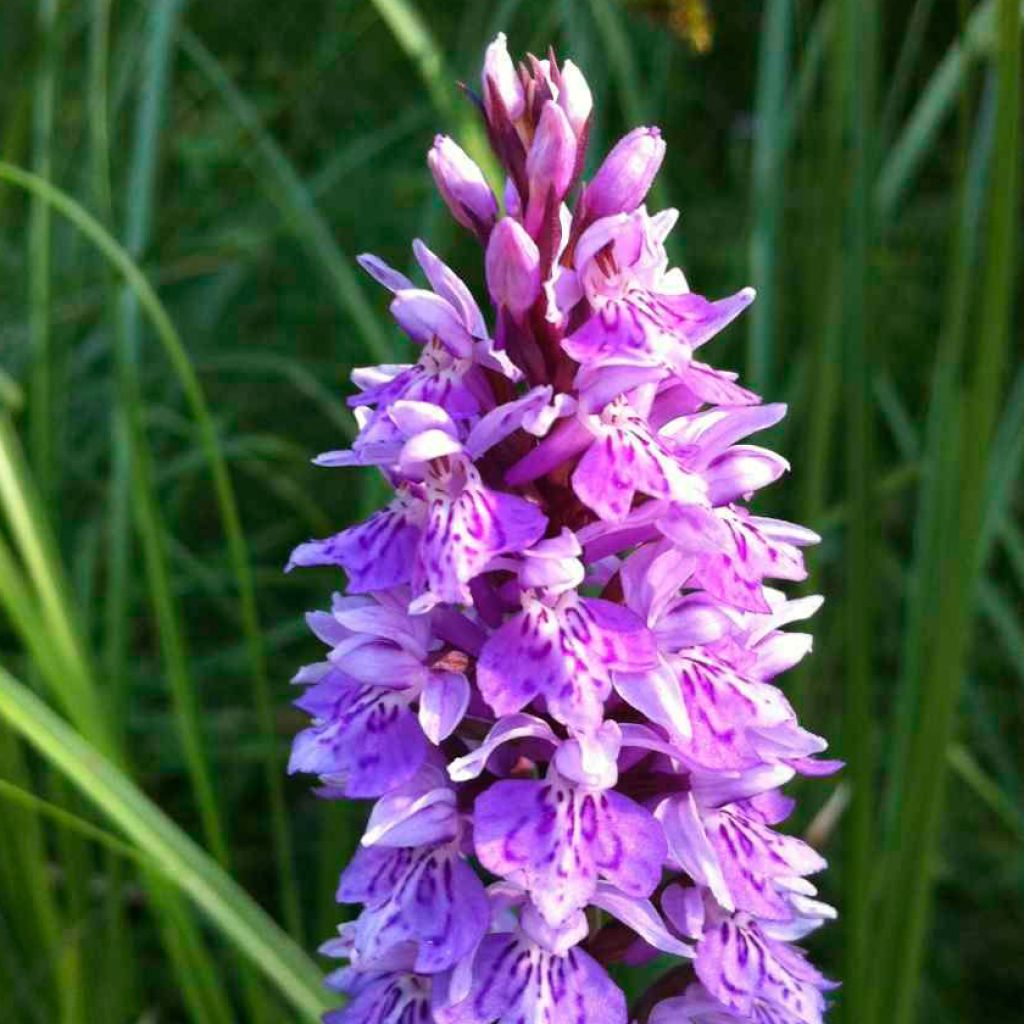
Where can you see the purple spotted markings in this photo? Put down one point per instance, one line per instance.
(554, 665)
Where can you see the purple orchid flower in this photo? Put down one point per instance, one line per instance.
(554, 668)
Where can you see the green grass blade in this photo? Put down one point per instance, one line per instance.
(418, 42)
(158, 33)
(28, 800)
(291, 196)
(178, 858)
(41, 408)
(858, 55)
(913, 38)
(923, 818)
(172, 642)
(224, 491)
(769, 184)
(30, 530)
(1004, 807)
(1005, 622)
(936, 103)
(31, 898)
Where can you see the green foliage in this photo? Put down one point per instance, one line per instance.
(182, 189)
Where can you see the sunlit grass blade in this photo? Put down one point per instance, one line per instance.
(29, 527)
(177, 857)
(223, 489)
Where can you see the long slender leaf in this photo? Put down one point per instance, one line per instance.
(175, 350)
(769, 178)
(178, 858)
(289, 193)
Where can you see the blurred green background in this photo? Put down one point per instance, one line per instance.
(182, 192)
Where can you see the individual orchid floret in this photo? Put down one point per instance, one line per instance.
(516, 978)
(575, 98)
(462, 186)
(380, 998)
(645, 323)
(742, 966)
(513, 267)
(621, 456)
(425, 898)
(554, 669)
(556, 837)
(625, 177)
(562, 649)
(500, 80)
(550, 165)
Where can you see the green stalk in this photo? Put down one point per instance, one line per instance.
(937, 101)
(119, 987)
(158, 35)
(821, 277)
(769, 190)
(43, 388)
(963, 515)
(859, 62)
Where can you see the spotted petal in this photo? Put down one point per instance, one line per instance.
(468, 524)
(564, 653)
(556, 840)
(364, 740)
(516, 982)
(427, 897)
(627, 458)
(740, 966)
(383, 998)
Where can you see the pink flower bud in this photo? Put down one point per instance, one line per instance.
(552, 157)
(500, 73)
(462, 185)
(574, 97)
(551, 162)
(513, 267)
(625, 177)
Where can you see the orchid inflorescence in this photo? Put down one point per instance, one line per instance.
(552, 669)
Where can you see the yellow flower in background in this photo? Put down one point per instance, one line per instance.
(690, 20)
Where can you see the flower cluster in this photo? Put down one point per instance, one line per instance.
(553, 666)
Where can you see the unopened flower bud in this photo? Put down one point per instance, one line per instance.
(513, 267)
(625, 177)
(500, 76)
(462, 185)
(551, 162)
(574, 97)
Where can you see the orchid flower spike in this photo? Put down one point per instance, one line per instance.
(553, 666)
